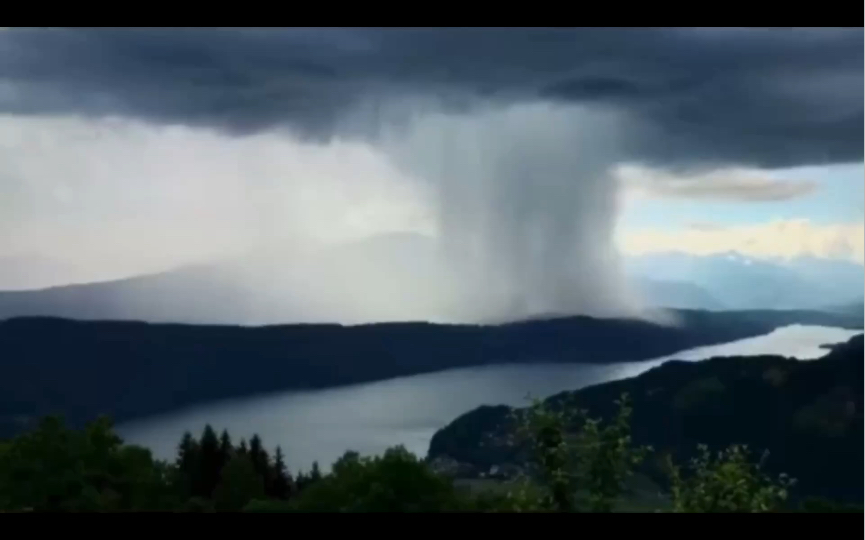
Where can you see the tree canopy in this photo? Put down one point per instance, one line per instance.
(56, 469)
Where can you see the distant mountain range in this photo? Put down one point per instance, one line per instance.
(733, 281)
(675, 294)
(384, 278)
(130, 369)
(203, 294)
(392, 277)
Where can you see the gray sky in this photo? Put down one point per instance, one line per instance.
(129, 151)
(778, 97)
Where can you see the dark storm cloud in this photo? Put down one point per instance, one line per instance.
(761, 97)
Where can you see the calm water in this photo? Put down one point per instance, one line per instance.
(320, 425)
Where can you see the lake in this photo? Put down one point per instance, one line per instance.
(321, 425)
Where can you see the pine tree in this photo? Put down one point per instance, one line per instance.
(209, 463)
(301, 480)
(186, 451)
(187, 463)
(242, 449)
(280, 486)
(259, 458)
(255, 452)
(225, 448)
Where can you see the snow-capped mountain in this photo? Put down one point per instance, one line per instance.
(740, 282)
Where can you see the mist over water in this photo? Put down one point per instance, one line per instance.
(368, 418)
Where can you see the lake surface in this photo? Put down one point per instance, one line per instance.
(321, 425)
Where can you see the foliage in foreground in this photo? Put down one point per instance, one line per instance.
(579, 465)
(394, 482)
(597, 460)
(54, 469)
(726, 482)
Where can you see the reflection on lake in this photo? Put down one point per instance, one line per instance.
(320, 425)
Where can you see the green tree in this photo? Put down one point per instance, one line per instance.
(544, 430)
(301, 480)
(579, 464)
(145, 484)
(280, 486)
(226, 449)
(209, 464)
(260, 460)
(394, 482)
(187, 463)
(56, 469)
(572, 454)
(726, 482)
(607, 458)
(240, 484)
(315, 472)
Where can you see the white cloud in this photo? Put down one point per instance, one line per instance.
(779, 238)
(731, 184)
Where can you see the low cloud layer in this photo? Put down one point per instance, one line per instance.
(140, 149)
(734, 185)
